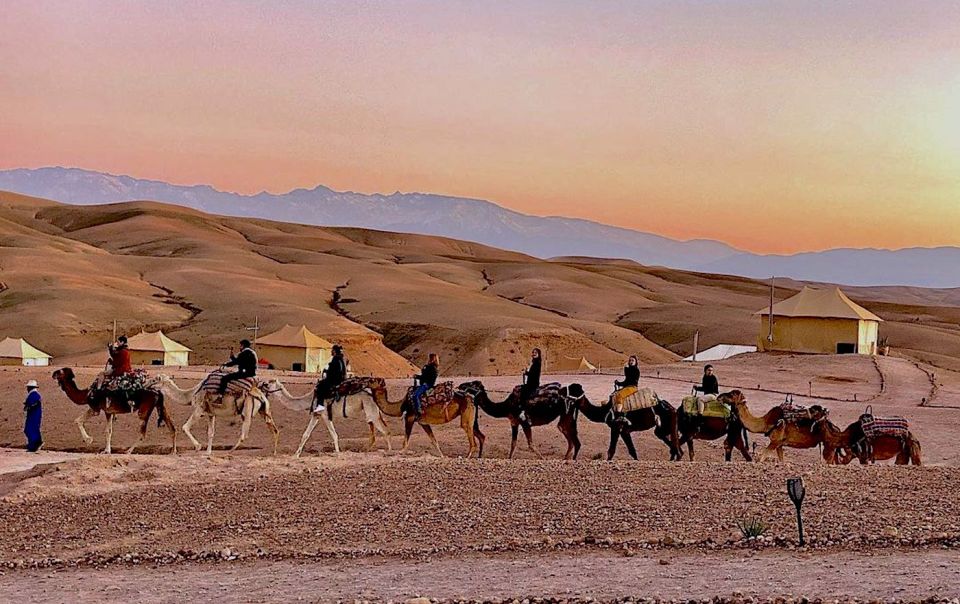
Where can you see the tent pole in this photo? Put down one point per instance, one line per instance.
(770, 316)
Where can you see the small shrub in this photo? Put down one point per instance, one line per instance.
(751, 528)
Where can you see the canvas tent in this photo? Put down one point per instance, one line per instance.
(295, 349)
(720, 352)
(17, 351)
(156, 348)
(823, 321)
(574, 365)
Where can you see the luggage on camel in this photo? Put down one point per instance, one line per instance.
(794, 413)
(632, 398)
(711, 407)
(237, 388)
(127, 385)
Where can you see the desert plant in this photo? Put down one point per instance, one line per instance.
(751, 528)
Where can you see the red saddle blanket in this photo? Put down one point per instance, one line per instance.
(441, 394)
(237, 388)
(885, 426)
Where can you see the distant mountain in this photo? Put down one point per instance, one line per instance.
(490, 224)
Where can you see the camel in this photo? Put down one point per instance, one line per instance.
(799, 434)
(539, 414)
(730, 429)
(836, 443)
(881, 448)
(213, 406)
(661, 417)
(148, 400)
(355, 388)
(461, 405)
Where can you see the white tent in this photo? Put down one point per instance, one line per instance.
(17, 351)
(721, 351)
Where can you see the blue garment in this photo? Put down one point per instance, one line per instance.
(417, 395)
(31, 427)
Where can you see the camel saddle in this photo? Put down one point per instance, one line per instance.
(544, 394)
(794, 413)
(236, 388)
(873, 427)
(711, 406)
(632, 398)
(127, 385)
(441, 394)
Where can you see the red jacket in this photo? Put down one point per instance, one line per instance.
(120, 361)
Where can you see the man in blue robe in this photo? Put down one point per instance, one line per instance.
(34, 411)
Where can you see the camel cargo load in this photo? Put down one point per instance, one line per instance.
(17, 351)
(294, 349)
(632, 398)
(819, 321)
(155, 348)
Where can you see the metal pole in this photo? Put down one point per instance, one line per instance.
(770, 317)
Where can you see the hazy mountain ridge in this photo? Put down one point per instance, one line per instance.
(485, 222)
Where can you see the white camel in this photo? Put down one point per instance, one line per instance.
(212, 405)
(275, 389)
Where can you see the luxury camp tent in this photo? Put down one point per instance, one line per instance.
(17, 351)
(823, 321)
(157, 349)
(294, 349)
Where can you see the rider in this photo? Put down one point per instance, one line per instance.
(333, 376)
(631, 374)
(531, 382)
(246, 363)
(426, 380)
(709, 384)
(119, 358)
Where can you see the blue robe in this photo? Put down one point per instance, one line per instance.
(31, 427)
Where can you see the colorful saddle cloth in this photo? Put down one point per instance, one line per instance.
(873, 427)
(349, 387)
(236, 388)
(711, 406)
(633, 398)
(128, 385)
(441, 394)
(545, 393)
(794, 413)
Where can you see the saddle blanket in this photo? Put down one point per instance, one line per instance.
(544, 392)
(237, 388)
(633, 398)
(794, 413)
(441, 394)
(128, 384)
(885, 426)
(711, 406)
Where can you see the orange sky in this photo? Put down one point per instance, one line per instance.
(774, 126)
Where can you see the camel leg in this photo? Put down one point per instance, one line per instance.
(628, 441)
(87, 414)
(568, 428)
(384, 429)
(272, 426)
(514, 432)
(433, 439)
(614, 437)
(481, 439)
(247, 417)
(141, 434)
(332, 431)
(211, 430)
(314, 420)
(466, 423)
(195, 414)
(407, 429)
(528, 433)
(373, 437)
(171, 427)
(110, 418)
(690, 448)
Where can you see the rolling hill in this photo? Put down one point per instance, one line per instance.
(69, 271)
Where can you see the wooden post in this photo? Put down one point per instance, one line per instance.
(770, 316)
(696, 344)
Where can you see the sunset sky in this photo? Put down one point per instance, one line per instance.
(773, 126)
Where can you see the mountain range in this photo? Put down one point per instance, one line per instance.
(490, 224)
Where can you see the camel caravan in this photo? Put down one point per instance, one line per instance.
(707, 414)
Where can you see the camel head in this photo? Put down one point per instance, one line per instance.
(64, 376)
(734, 398)
(818, 414)
(473, 388)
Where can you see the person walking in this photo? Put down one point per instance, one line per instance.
(33, 410)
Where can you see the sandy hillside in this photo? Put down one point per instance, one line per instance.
(69, 271)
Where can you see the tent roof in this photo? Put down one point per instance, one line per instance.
(156, 341)
(294, 337)
(722, 351)
(18, 348)
(820, 303)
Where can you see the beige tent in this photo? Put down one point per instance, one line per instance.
(295, 349)
(823, 321)
(574, 365)
(17, 351)
(157, 349)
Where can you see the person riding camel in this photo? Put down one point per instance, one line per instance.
(119, 363)
(631, 374)
(531, 382)
(333, 376)
(246, 363)
(425, 381)
(709, 386)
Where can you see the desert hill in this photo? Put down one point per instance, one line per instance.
(68, 271)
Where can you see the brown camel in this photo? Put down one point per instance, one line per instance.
(837, 443)
(145, 402)
(460, 405)
(730, 429)
(539, 413)
(881, 448)
(798, 434)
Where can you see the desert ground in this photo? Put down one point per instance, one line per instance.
(383, 525)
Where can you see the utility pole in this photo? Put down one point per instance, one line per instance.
(114, 331)
(696, 344)
(770, 317)
(255, 329)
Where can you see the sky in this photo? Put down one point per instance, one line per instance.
(774, 126)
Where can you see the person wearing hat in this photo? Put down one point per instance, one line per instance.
(246, 363)
(333, 376)
(34, 414)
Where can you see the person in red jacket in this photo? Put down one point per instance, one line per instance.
(119, 358)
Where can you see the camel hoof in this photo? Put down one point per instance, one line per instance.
(88, 440)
